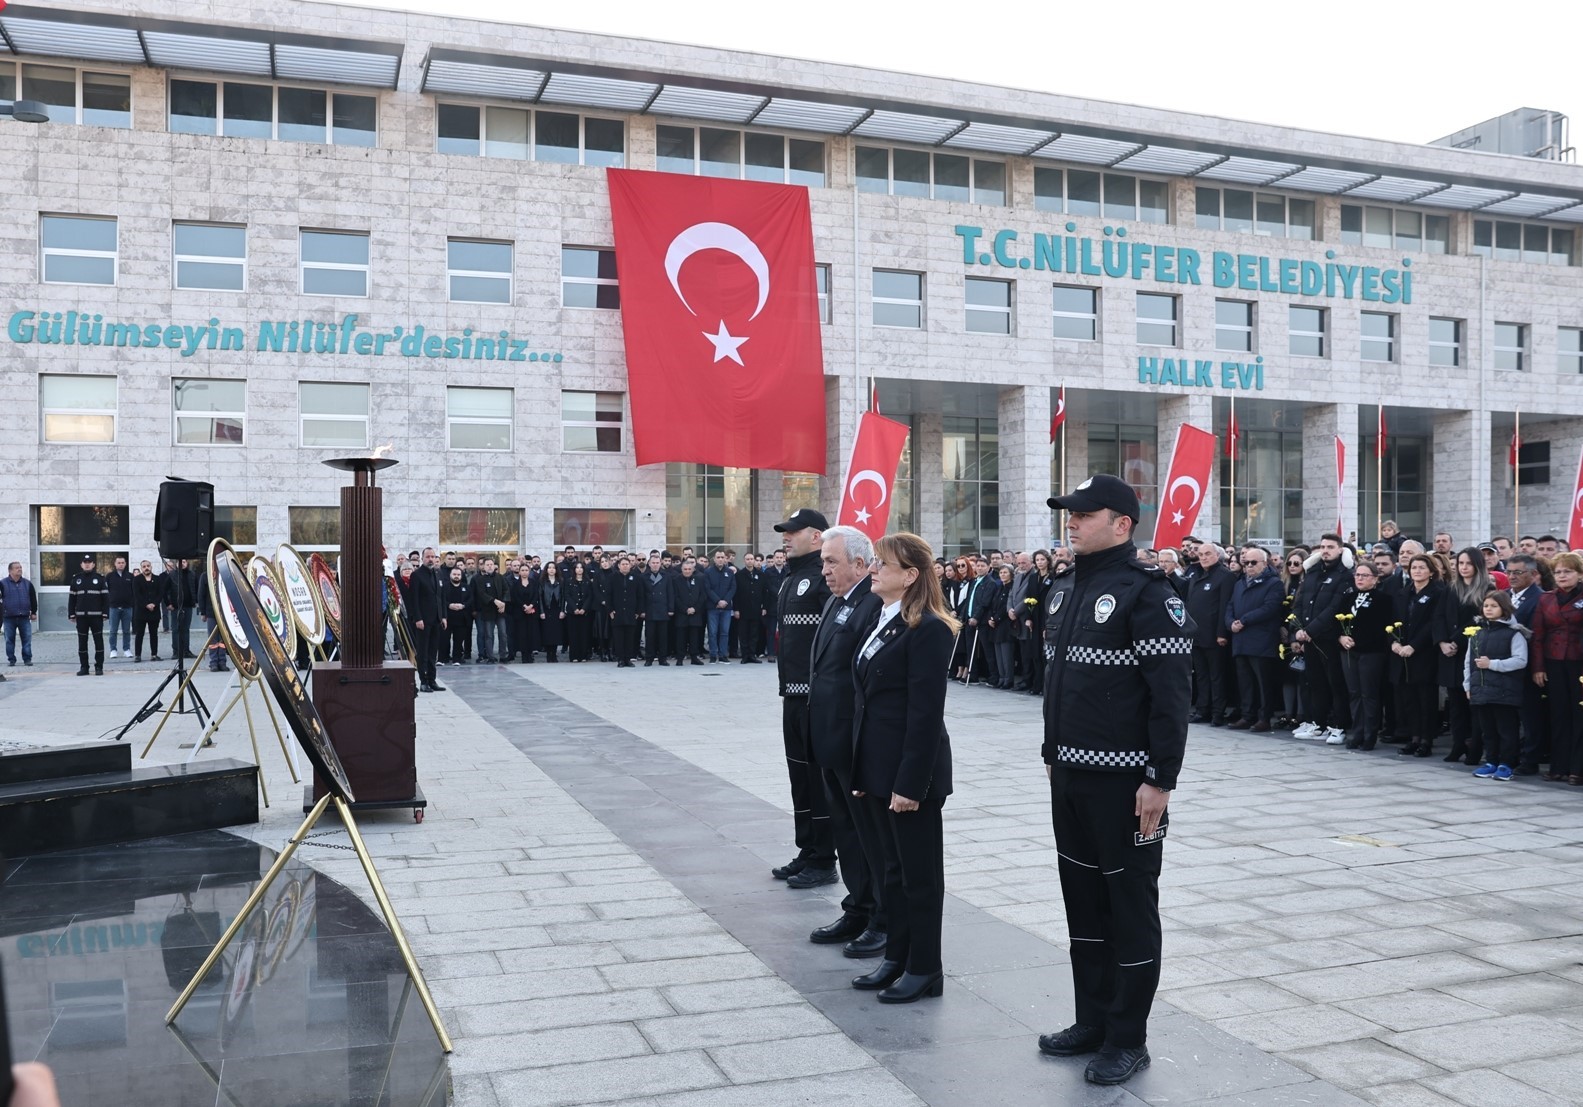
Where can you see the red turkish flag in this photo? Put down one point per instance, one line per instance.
(1232, 434)
(1514, 450)
(871, 474)
(1341, 483)
(1379, 441)
(1575, 532)
(720, 311)
(1059, 418)
(1192, 461)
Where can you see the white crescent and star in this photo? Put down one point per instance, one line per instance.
(869, 476)
(719, 236)
(1170, 496)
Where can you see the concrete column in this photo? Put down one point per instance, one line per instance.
(1023, 422)
(1459, 498)
(841, 412)
(928, 437)
(1321, 424)
(1170, 414)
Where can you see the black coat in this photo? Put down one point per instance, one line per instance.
(146, 592)
(689, 592)
(1418, 615)
(655, 595)
(899, 740)
(487, 588)
(1452, 618)
(626, 600)
(843, 627)
(1206, 598)
(423, 598)
(461, 596)
(579, 594)
(520, 596)
(1371, 612)
(552, 602)
(750, 593)
(184, 596)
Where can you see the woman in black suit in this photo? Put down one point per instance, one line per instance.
(524, 608)
(901, 762)
(552, 612)
(579, 613)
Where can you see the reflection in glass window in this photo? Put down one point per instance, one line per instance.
(77, 408)
(208, 412)
(591, 422)
(588, 278)
(333, 414)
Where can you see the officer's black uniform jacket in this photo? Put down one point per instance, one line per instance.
(1117, 686)
(90, 595)
(802, 598)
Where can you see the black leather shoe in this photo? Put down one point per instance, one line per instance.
(870, 943)
(811, 878)
(1074, 1040)
(83, 671)
(664, 663)
(883, 976)
(790, 869)
(1115, 1065)
(425, 688)
(842, 930)
(911, 987)
(436, 687)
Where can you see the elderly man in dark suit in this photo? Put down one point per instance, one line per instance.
(849, 614)
(428, 618)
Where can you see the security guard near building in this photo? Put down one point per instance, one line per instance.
(87, 605)
(1118, 642)
(798, 606)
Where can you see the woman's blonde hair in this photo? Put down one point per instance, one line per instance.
(1567, 560)
(911, 552)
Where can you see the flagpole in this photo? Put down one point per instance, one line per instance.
(1059, 520)
(1517, 484)
(1231, 440)
(1379, 469)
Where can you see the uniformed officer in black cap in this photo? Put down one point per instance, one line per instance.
(87, 605)
(799, 606)
(1118, 644)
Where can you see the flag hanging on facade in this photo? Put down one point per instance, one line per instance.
(1192, 460)
(871, 474)
(720, 313)
(1059, 418)
(1341, 484)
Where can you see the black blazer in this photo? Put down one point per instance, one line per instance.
(830, 681)
(898, 727)
(423, 598)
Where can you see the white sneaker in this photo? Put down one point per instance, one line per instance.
(112, 653)
(1306, 730)
(1335, 736)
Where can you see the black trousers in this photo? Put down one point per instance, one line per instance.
(428, 648)
(913, 846)
(458, 642)
(1032, 650)
(810, 811)
(1111, 888)
(1328, 699)
(181, 629)
(1366, 682)
(625, 641)
(577, 635)
(94, 625)
(858, 847)
(1566, 717)
(146, 620)
(655, 635)
(1417, 711)
(750, 635)
(1465, 735)
(1209, 681)
(1259, 682)
(689, 641)
(1498, 723)
(1536, 724)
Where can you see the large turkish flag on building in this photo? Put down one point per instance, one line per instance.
(871, 474)
(1184, 489)
(1575, 530)
(720, 311)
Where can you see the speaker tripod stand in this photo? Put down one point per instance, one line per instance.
(188, 701)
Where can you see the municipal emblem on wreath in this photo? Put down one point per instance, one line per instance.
(803, 586)
(1055, 601)
(1104, 607)
(1176, 610)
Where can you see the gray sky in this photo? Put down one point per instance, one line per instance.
(1403, 71)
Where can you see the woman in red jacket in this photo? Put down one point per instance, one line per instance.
(1556, 660)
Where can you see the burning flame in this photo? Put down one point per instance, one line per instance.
(383, 450)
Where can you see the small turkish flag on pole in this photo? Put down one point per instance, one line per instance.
(1379, 439)
(1059, 417)
(871, 474)
(1575, 532)
(1341, 482)
(1192, 461)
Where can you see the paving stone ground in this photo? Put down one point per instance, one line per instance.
(1339, 927)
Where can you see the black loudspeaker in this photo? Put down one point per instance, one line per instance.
(184, 519)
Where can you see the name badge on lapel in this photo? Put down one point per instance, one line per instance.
(842, 616)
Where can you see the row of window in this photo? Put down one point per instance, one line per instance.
(302, 114)
(83, 409)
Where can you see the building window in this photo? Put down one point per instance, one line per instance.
(1088, 192)
(1569, 350)
(314, 528)
(1234, 326)
(1378, 336)
(822, 285)
(971, 472)
(988, 306)
(1535, 243)
(1395, 229)
(1533, 463)
(239, 109)
(208, 412)
(75, 408)
(1262, 213)
(1406, 473)
(1269, 486)
(1076, 313)
(479, 418)
(898, 299)
(591, 422)
(334, 263)
(209, 256)
(941, 176)
(753, 156)
(72, 95)
(238, 526)
(1511, 346)
(333, 415)
(550, 136)
(479, 272)
(63, 531)
(1306, 331)
(708, 506)
(1131, 451)
(78, 249)
(491, 530)
(1156, 319)
(585, 526)
(1445, 342)
(588, 278)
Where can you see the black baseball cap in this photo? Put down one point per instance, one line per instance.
(802, 519)
(1100, 492)
(86, 557)
(1490, 546)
